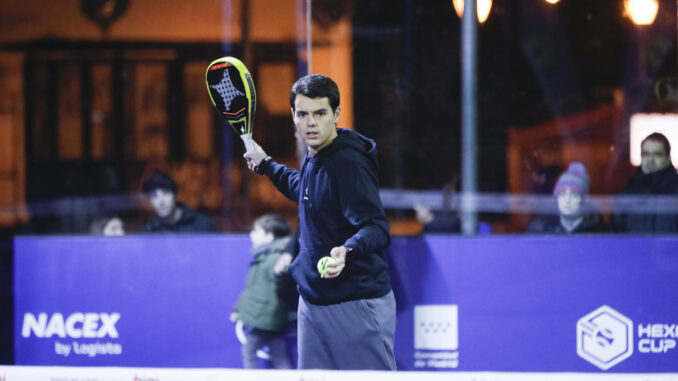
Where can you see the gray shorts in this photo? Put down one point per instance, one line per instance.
(351, 335)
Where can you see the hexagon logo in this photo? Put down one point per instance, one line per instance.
(604, 337)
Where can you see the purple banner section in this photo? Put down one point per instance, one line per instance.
(521, 303)
(169, 298)
(491, 303)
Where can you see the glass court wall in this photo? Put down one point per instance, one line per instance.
(96, 95)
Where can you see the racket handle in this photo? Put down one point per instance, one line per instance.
(249, 143)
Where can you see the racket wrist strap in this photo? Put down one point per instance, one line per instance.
(259, 168)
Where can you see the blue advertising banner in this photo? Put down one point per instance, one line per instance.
(161, 301)
(491, 303)
(538, 304)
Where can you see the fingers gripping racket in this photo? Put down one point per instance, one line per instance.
(231, 90)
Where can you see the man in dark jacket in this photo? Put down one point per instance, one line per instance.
(171, 216)
(346, 316)
(648, 203)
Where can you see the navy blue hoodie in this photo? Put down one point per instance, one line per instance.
(338, 195)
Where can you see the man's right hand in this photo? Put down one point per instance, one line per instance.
(424, 214)
(255, 156)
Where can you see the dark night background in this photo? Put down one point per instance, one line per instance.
(536, 62)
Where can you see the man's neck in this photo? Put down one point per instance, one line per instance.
(173, 217)
(655, 171)
(570, 223)
(314, 152)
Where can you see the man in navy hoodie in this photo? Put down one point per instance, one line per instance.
(346, 317)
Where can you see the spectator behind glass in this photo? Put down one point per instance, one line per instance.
(266, 306)
(171, 216)
(446, 221)
(655, 177)
(575, 215)
(107, 225)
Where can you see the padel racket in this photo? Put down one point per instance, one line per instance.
(231, 90)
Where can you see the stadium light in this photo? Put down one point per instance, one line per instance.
(552, 1)
(641, 12)
(483, 8)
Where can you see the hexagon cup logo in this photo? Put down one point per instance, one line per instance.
(604, 337)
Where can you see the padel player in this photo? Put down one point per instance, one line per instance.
(346, 318)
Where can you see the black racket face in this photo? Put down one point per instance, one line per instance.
(228, 92)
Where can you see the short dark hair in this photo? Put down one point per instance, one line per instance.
(657, 137)
(316, 86)
(275, 224)
(159, 180)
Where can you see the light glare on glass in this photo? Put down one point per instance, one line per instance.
(642, 12)
(483, 8)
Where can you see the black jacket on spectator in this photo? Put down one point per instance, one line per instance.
(645, 186)
(189, 222)
(550, 224)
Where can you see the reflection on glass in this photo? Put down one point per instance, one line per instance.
(482, 6)
(151, 116)
(68, 113)
(642, 12)
(102, 105)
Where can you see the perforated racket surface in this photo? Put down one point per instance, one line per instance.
(232, 93)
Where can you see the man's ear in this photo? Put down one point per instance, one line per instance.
(336, 115)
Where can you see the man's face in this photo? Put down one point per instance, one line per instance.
(163, 202)
(259, 236)
(653, 157)
(569, 202)
(315, 121)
